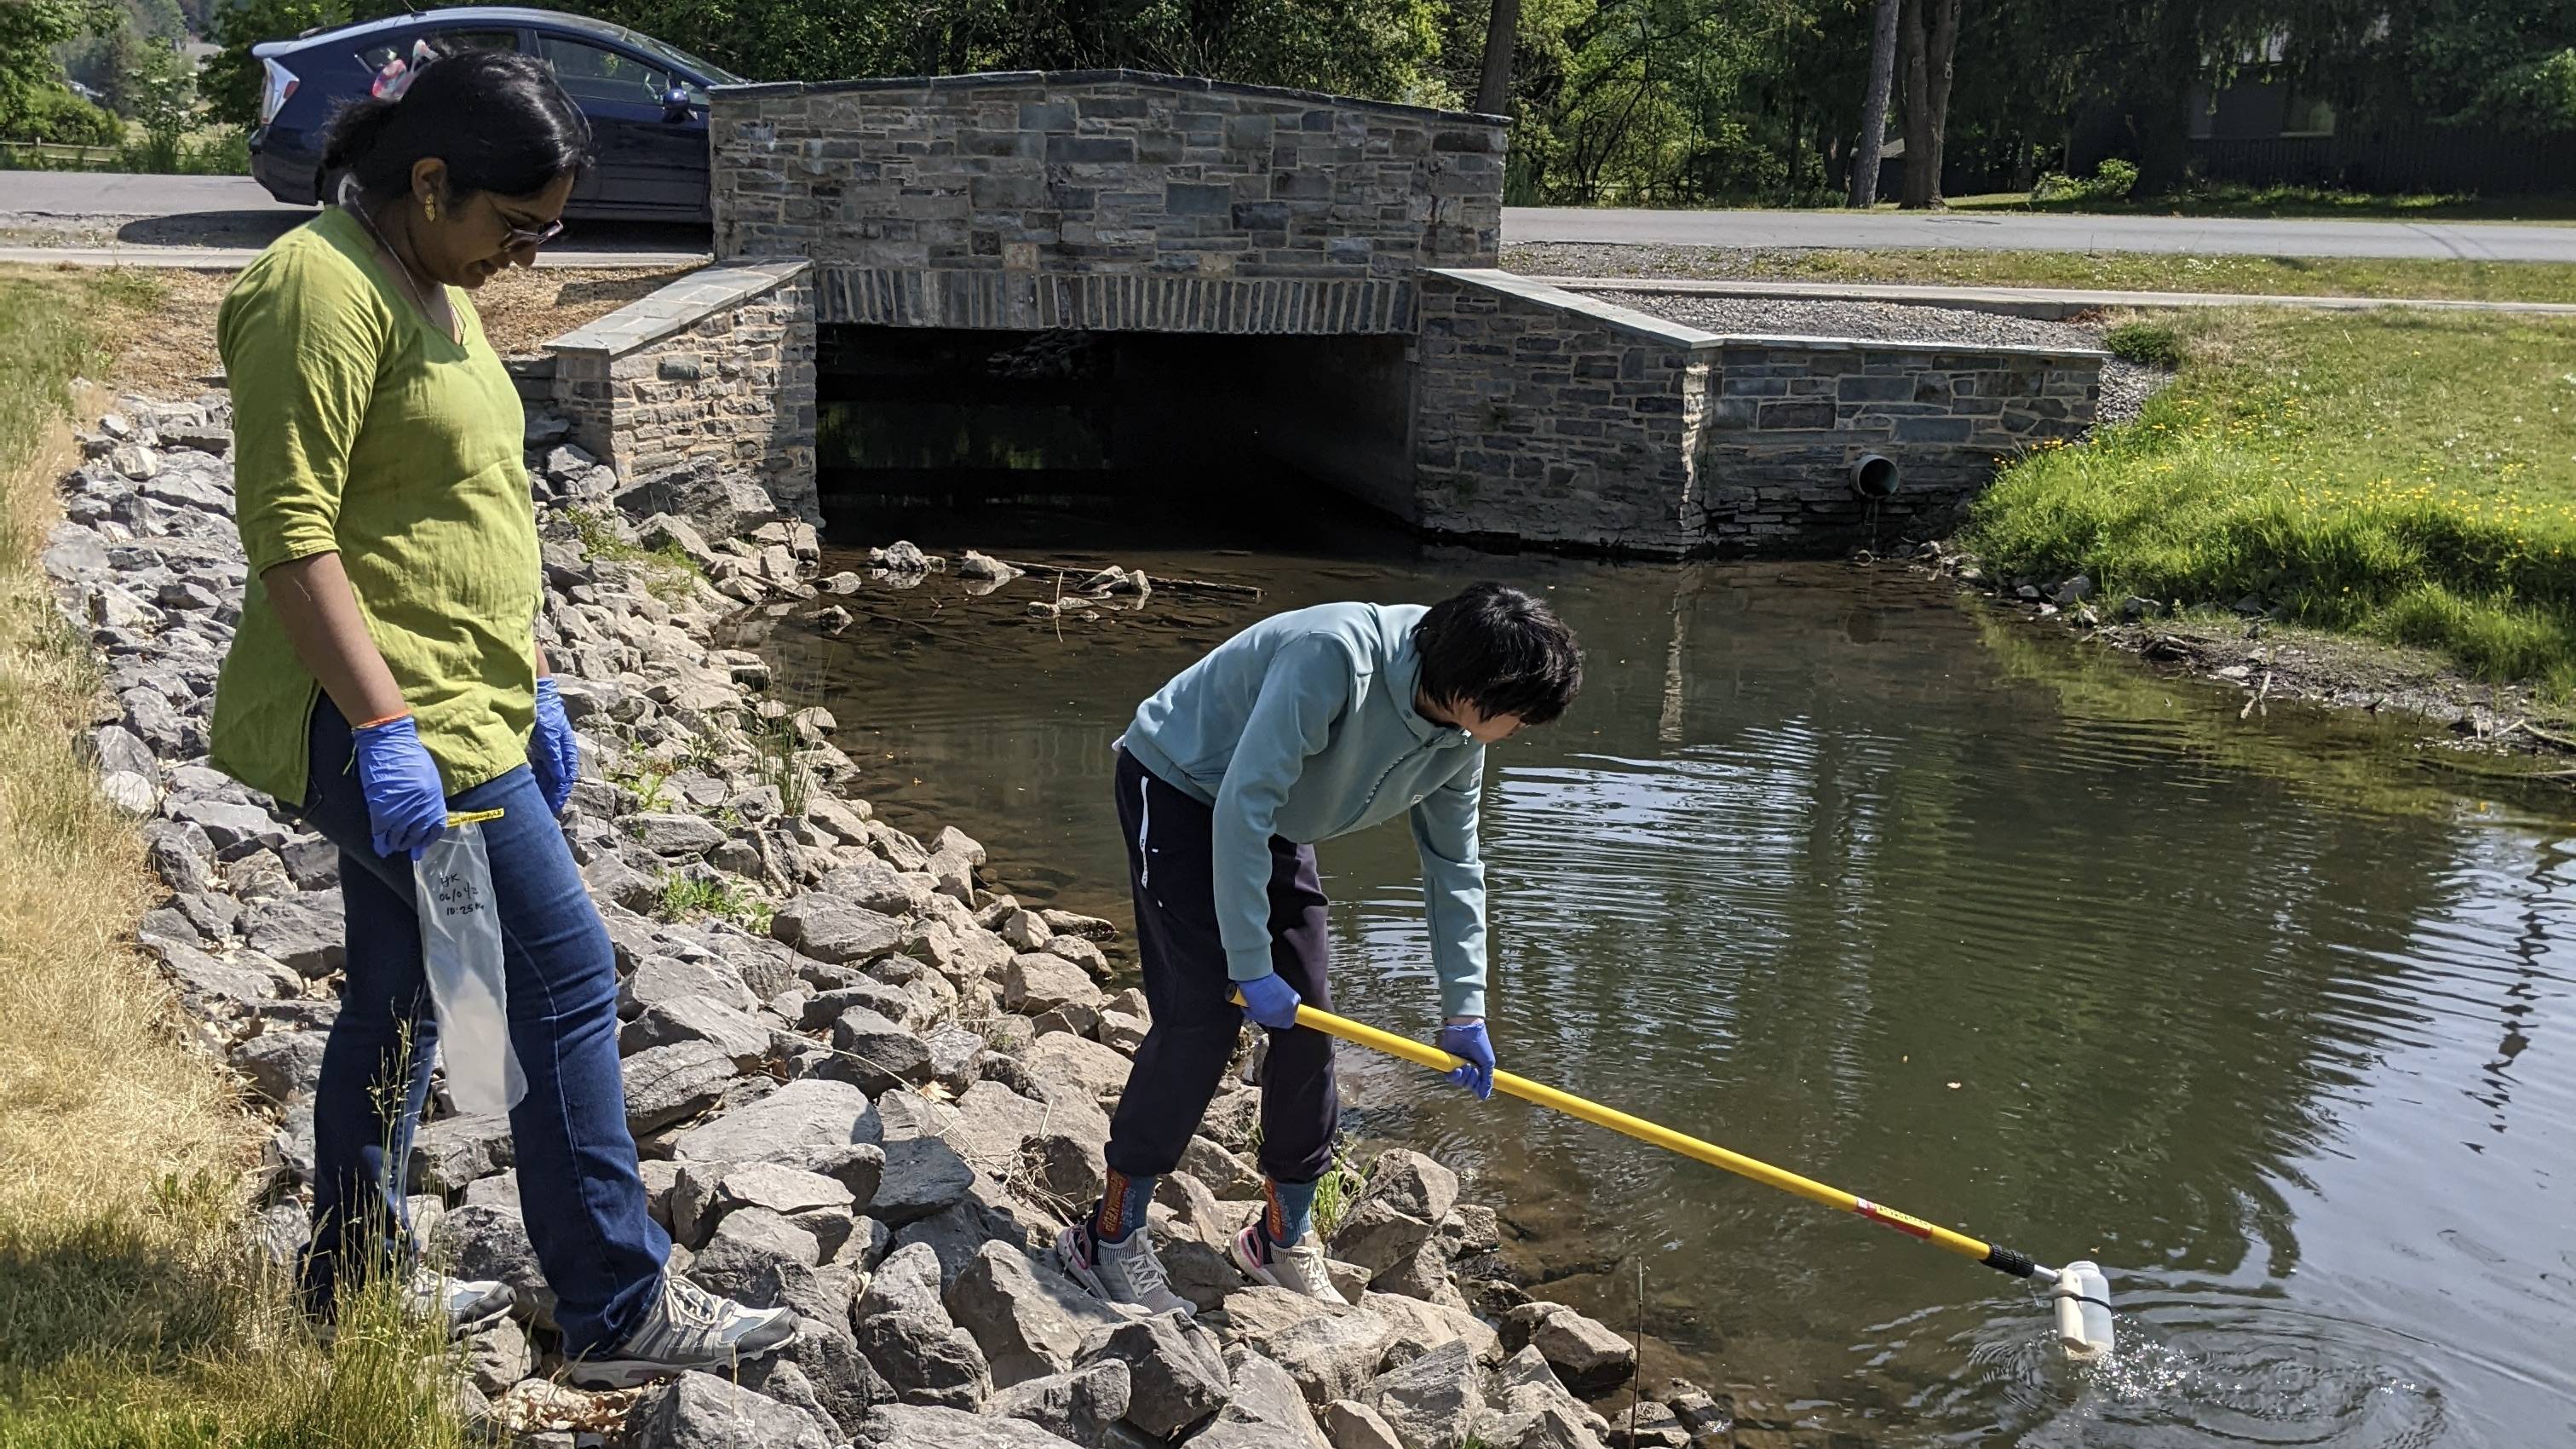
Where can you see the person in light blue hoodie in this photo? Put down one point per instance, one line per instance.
(1306, 726)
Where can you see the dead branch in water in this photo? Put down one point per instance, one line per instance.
(1207, 586)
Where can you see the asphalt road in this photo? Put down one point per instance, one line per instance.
(1985, 231)
(217, 211)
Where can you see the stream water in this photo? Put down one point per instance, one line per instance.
(2269, 1015)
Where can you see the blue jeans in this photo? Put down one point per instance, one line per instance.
(579, 1189)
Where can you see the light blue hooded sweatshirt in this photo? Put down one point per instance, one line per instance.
(1303, 726)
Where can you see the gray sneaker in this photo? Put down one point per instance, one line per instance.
(463, 1304)
(1126, 1274)
(1299, 1267)
(688, 1328)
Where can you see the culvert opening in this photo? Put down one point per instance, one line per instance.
(912, 419)
(1874, 475)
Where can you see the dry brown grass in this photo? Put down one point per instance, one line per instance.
(133, 1307)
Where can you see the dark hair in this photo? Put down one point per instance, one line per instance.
(1500, 650)
(497, 118)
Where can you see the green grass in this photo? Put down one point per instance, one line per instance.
(2417, 279)
(134, 1310)
(2156, 342)
(2314, 203)
(668, 572)
(684, 898)
(2408, 477)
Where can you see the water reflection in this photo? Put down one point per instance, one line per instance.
(1836, 872)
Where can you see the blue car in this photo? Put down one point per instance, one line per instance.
(647, 102)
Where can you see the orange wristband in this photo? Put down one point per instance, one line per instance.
(388, 719)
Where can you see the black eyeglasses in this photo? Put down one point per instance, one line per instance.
(519, 237)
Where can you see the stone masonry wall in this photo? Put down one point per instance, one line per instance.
(1788, 416)
(1106, 199)
(1549, 417)
(703, 389)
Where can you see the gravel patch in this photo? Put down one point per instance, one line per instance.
(2126, 386)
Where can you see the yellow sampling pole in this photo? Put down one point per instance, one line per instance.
(1992, 1255)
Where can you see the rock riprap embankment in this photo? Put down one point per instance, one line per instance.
(865, 1085)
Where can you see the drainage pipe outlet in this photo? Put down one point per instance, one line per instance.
(1873, 475)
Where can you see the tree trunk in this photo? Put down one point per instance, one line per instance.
(1873, 105)
(1930, 44)
(1494, 88)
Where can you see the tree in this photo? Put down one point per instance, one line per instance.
(1502, 28)
(29, 31)
(1931, 38)
(161, 89)
(1873, 106)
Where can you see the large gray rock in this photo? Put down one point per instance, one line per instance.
(1226, 1174)
(669, 1084)
(1330, 1352)
(905, 1330)
(303, 933)
(673, 836)
(1420, 1327)
(835, 931)
(1083, 1406)
(658, 979)
(1401, 1252)
(281, 1066)
(875, 1054)
(1412, 1184)
(921, 1176)
(760, 1258)
(1029, 1318)
(1589, 1357)
(1036, 982)
(490, 1242)
(788, 1126)
(701, 1411)
(956, 1233)
(698, 1018)
(453, 1151)
(706, 1192)
(1176, 1375)
(907, 1426)
(827, 1006)
(1544, 1414)
(1077, 1062)
(1266, 1411)
(1431, 1401)
(1350, 1424)
(497, 1357)
(777, 1377)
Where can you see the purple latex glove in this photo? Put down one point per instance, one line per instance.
(1269, 1001)
(406, 804)
(1468, 1039)
(552, 756)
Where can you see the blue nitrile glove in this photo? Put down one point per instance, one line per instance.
(1269, 1001)
(1467, 1039)
(552, 756)
(406, 805)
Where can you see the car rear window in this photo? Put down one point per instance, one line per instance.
(377, 56)
(596, 73)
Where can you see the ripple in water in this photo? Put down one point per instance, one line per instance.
(2199, 1371)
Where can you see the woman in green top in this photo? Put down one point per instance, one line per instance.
(386, 673)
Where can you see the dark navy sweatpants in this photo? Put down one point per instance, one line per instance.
(1196, 1023)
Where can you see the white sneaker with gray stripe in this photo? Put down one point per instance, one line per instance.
(688, 1328)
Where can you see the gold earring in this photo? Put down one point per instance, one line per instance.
(429, 207)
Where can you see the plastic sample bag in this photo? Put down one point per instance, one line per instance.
(460, 946)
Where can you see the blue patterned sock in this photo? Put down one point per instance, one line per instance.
(1122, 1208)
(1291, 1211)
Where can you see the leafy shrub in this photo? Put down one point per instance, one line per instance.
(60, 118)
(2113, 180)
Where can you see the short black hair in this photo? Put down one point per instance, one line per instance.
(498, 119)
(1502, 651)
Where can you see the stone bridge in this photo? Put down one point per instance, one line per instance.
(1103, 280)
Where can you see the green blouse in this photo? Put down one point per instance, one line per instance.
(361, 429)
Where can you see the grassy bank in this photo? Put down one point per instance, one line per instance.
(2419, 279)
(2408, 477)
(134, 1309)
(2317, 203)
